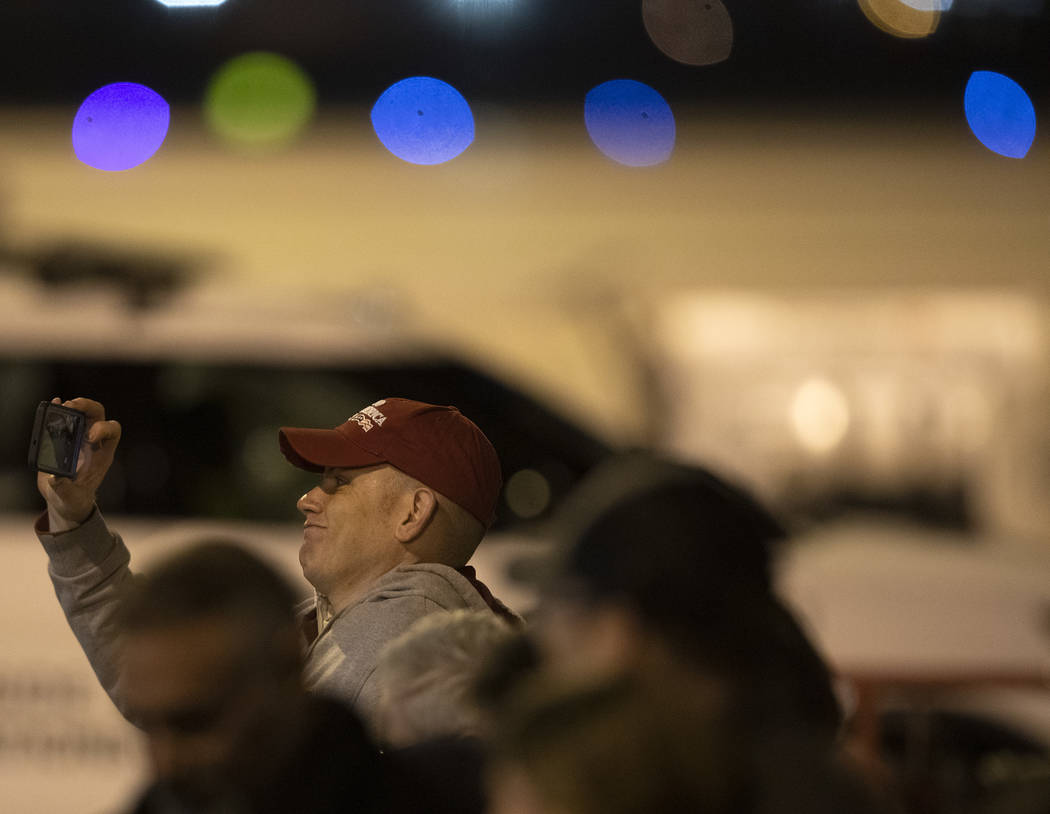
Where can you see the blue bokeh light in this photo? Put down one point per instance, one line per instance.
(1000, 113)
(630, 122)
(120, 126)
(423, 120)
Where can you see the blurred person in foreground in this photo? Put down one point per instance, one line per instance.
(651, 744)
(427, 677)
(406, 493)
(429, 717)
(210, 669)
(667, 568)
(663, 673)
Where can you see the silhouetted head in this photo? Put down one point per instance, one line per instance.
(664, 562)
(210, 668)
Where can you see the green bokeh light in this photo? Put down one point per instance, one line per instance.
(259, 100)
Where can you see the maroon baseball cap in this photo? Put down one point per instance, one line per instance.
(438, 446)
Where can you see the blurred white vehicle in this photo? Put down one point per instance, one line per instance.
(942, 644)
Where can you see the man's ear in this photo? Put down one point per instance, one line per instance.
(417, 515)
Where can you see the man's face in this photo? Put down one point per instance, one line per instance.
(198, 711)
(348, 539)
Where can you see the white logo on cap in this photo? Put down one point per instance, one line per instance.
(368, 415)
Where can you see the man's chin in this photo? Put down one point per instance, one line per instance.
(305, 560)
(308, 562)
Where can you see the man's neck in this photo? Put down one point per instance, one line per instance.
(342, 597)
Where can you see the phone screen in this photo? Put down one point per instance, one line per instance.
(56, 440)
(59, 440)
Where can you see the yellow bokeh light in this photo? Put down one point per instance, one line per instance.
(900, 19)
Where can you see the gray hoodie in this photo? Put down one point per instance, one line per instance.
(90, 569)
(341, 661)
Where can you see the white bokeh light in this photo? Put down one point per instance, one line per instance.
(482, 5)
(820, 415)
(190, 3)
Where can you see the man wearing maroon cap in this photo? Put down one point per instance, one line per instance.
(406, 493)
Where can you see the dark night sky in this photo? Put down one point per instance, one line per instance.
(57, 51)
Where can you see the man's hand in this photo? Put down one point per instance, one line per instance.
(70, 502)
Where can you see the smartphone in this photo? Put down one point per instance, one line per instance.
(55, 443)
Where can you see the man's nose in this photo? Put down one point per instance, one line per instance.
(311, 501)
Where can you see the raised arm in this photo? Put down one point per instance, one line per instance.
(88, 564)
